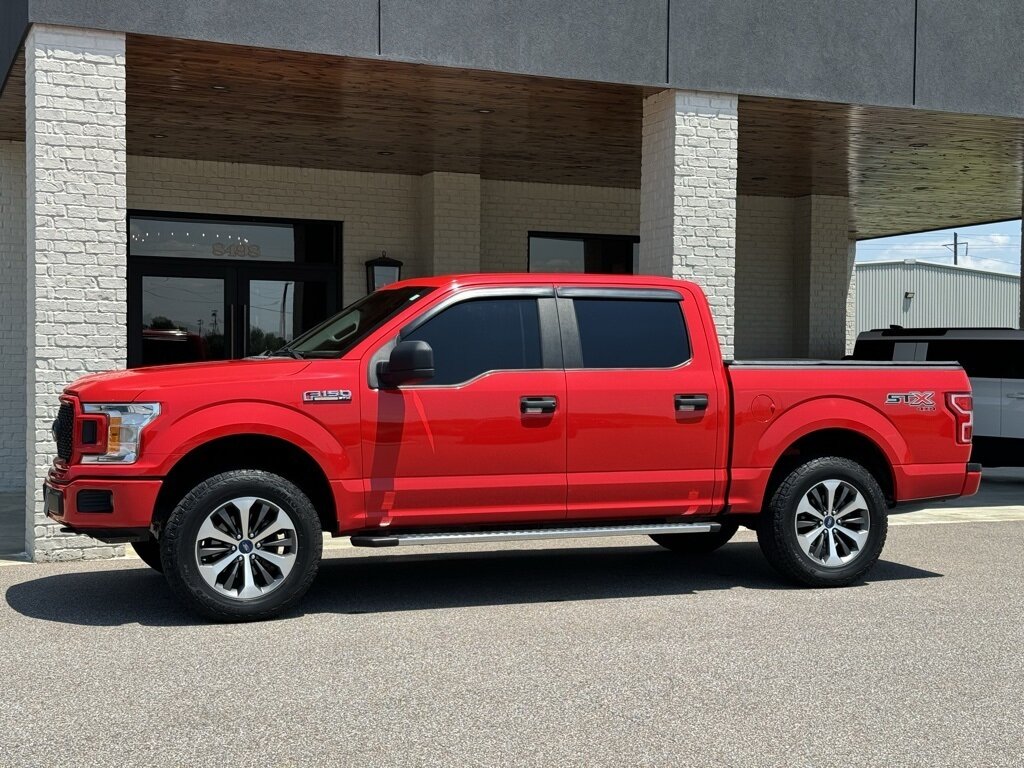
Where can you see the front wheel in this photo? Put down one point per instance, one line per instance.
(825, 524)
(241, 546)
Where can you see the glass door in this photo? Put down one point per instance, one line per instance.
(277, 306)
(180, 316)
(225, 287)
(188, 312)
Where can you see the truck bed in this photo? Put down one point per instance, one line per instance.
(898, 410)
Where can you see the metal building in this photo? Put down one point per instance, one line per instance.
(918, 294)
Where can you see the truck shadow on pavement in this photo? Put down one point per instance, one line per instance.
(379, 583)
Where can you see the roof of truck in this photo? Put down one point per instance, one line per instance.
(542, 278)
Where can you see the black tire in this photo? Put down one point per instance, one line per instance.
(179, 540)
(777, 532)
(149, 553)
(696, 543)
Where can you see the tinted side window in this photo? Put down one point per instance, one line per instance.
(873, 349)
(631, 333)
(981, 359)
(482, 335)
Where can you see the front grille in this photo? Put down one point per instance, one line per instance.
(64, 430)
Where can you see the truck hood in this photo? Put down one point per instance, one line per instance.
(128, 385)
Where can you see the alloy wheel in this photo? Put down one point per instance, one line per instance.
(832, 523)
(246, 548)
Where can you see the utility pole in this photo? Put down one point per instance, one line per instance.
(956, 248)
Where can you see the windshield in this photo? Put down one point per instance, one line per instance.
(337, 335)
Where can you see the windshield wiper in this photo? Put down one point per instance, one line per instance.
(285, 352)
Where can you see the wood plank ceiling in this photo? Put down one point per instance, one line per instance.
(904, 170)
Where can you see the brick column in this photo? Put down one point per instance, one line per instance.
(76, 238)
(449, 225)
(851, 297)
(822, 272)
(688, 196)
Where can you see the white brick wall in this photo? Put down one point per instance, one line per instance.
(829, 270)
(766, 251)
(793, 271)
(379, 210)
(476, 224)
(851, 299)
(688, 196)
(13, 267)
(450, 222)
(75, 207)
(510, 210)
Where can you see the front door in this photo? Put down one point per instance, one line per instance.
(218, 289)
(645, 413)
(484, 440)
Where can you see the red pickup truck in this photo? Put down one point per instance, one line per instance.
(501, 407)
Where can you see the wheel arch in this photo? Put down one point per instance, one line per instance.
(248, 451)
(840, 442)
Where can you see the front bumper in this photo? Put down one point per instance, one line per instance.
(126, 506)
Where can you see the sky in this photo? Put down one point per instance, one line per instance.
(992, 247)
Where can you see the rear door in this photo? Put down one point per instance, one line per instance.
(1013, 391)
(985, 364)
(644, 408)
(484, 440)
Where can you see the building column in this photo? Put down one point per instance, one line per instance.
(76, 241)
(449, 223)
(13, 290)
(851, 297)
(822, 276)
(688, 196)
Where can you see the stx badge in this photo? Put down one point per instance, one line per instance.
(924, 401)
(327, 396)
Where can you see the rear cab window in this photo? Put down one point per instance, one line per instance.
(631, 333)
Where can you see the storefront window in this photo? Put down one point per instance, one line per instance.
(605, 254)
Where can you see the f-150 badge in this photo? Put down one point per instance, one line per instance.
(327, 396)
(924, 401)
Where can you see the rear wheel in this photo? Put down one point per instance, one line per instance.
(696, 543)
(825, 524)
(149, 553)
(241, 546)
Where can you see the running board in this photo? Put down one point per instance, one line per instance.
(469, 537)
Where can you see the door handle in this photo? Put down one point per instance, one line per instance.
(534, 404)
(1016, 395)
(690, 403)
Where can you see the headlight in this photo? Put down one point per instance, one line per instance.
(125, 422)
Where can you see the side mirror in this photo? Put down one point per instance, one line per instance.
(410, 361)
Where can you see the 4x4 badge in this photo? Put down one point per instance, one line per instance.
(327, 396)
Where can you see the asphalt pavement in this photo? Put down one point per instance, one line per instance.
(588, 653)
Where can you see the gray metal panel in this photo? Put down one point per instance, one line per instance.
(857, 51)
(605, 40)
(944, 296)
(969, 56)
(320, 26)
(13, 26)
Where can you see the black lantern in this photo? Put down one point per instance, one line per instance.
(382, 271)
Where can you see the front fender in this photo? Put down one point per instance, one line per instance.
(167, 444)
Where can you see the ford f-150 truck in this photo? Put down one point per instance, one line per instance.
(501, 407)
